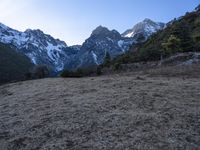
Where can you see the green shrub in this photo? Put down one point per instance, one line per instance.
(172, 45)
(39, 72)
(107, 60)
(117, 66)
(98, 70)
(77, 74)
(81, 72)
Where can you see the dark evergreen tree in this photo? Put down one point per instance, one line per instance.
(182, 32)
(197, 43)
(98, 70)
(40, 71)
(171, 46)
(107, 59)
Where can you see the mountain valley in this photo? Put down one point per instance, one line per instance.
(43, 49)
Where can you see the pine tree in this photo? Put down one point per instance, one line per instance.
(197, 43)
(171, 46)
(182, 32)
(107, 59)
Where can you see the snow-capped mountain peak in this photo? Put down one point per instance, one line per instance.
(41, 48)
(2, 26)
(144, 29)
(100, 30)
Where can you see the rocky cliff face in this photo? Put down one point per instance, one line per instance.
(39, 47)
(101, 41)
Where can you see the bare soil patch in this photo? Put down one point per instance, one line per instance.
(122, 111)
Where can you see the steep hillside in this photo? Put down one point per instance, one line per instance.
(180, 35)
(13, 65)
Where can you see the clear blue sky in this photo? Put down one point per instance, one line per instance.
(74, 20)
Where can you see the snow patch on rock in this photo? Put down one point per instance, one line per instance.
(95, 58)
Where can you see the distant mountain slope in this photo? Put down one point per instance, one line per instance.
(103, 40)
(39, 47)
(13, 65)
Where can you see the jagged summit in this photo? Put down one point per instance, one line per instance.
(100, 30)
(41, 48)
(3, 26)
(147, 20)
(34, 31)
(103, 32)
(144, 29)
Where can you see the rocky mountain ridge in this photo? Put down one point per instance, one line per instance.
(42, 48)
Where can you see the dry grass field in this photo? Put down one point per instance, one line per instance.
(124, 111)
